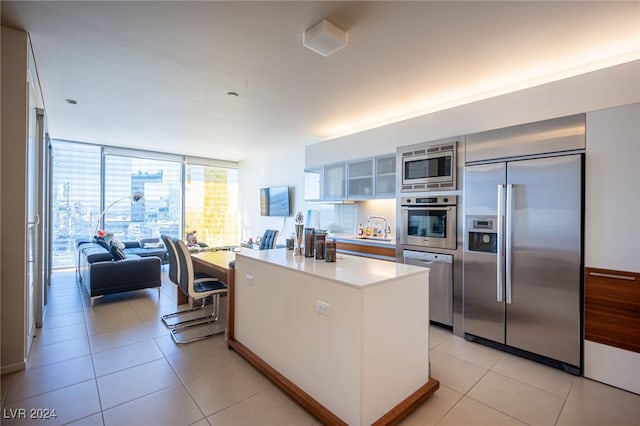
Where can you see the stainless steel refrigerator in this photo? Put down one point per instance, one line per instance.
(523, 256)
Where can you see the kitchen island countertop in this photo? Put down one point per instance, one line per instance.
(353, 271)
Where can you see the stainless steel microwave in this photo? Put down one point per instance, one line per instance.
(429, 168)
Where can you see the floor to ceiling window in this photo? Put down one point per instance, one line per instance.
(211, 204)
(75, 197)
(158, 212)
(87, 178)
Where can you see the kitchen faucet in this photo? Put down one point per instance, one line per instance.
(384, 219)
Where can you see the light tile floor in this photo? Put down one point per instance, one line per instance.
(116, 364)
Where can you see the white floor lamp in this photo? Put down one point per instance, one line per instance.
(135, 197)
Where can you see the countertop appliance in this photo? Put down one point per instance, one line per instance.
(440, 283)
(429, 167)
(523, 256)
(429, 221)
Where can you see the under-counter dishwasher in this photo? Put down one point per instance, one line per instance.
(440, 282)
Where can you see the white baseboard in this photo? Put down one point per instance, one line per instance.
(613, 366)
(11, 368)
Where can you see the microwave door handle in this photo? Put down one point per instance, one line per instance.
(508, 241)
(499, 257)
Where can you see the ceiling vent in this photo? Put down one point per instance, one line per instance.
(325, 38)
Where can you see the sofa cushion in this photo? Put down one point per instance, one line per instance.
(131, 244)
(95, 253)
(80, 241)
(102, 243)
(150, 243)
(143, 252)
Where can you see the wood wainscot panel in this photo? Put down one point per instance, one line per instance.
(612, 308)
(361, 248)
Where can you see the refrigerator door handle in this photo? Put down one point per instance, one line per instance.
(508, 233)
(499, 257)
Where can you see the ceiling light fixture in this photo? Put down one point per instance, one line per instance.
(325, 38)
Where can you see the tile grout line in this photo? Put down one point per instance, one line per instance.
(93, 364)
(566, 399)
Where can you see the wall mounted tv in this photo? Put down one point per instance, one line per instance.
(275, 201)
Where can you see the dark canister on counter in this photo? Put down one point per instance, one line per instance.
(320, 242)
(330, 251)
(309, 234)
(290, 243)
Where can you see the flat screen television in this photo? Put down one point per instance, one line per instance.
(274, 201)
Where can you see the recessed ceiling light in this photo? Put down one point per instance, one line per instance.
(234, 94)
(71, 101)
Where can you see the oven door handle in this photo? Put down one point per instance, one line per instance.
(426, 208)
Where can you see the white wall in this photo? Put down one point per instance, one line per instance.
(279, 169)
(606, 88)
(13, 193)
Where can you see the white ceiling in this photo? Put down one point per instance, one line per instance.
(155, 75)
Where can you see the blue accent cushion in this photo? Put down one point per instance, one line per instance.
(117, 253)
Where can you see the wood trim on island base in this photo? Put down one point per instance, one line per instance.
(320, 412)
(413, 401)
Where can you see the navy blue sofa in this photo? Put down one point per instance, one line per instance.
(101, 274)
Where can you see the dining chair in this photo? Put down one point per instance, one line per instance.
(173, 320)
(269, 239)
(197, 290)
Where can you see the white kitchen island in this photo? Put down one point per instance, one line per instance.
(348, 340)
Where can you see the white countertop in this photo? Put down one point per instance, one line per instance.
(354, 271)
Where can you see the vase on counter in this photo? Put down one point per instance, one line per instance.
(309, 240)
(330, 251)
(320, 239)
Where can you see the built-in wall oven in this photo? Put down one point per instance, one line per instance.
(428, 167)
(429, 222)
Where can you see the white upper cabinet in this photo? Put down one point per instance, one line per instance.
(386, 176)
(359, 179)
(360, 183)
(335, 179)
(313, 183)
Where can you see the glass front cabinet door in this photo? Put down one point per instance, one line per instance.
(335, 178)
(360, 183)
(386, 176)
(313, 183)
